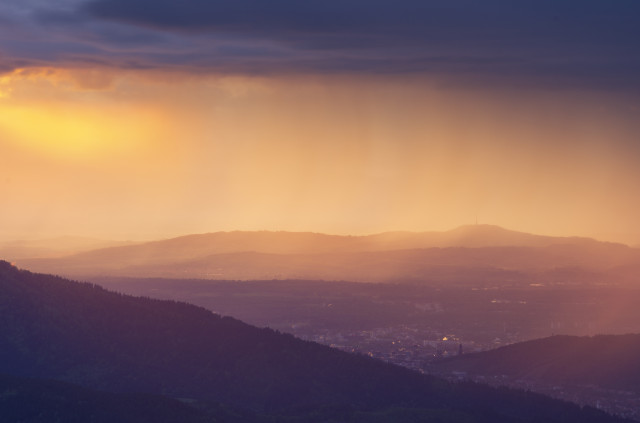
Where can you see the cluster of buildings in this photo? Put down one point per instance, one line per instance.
(416, 347)
(402, 345)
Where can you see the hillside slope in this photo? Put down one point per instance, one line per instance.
(27, 400)
(80, 333)
(608, 361)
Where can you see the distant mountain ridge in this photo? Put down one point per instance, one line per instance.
(282, 242)
(373, 258)
(77, 332)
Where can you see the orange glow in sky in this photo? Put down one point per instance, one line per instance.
(74, 132)
(144, 155)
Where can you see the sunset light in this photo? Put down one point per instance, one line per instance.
(355, 211)
(77, 133)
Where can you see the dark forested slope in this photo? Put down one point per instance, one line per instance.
(607, 361)
(26, 400)
(54, 328)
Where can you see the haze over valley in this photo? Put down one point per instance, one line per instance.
(78, 333)
(410, 299)
(337, 211)
(469, 254)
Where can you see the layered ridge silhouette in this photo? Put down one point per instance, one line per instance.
(480, 251)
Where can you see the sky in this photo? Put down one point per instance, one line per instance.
(146, 119)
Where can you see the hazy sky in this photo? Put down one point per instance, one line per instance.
(143, 119)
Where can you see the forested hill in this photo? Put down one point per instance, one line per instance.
(77, 332)
(27, 400)
(607, 361)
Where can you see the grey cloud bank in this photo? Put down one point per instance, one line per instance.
(584, 44)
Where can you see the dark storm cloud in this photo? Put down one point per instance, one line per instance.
(585, 43)
(421, 22)
(592, 41)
